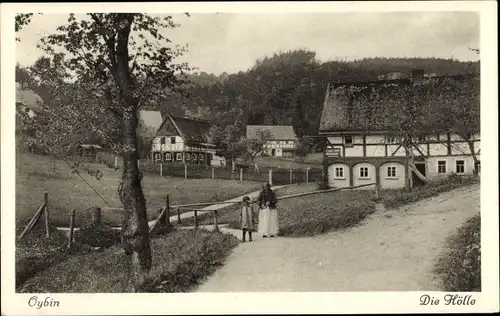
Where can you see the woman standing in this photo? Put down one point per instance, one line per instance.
(247, 218)
(268, 217)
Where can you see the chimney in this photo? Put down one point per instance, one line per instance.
(417, 75)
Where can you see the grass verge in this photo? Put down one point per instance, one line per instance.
(35, 252)
(310, 215)
(396, 198)
(181, 261)
(459, 268)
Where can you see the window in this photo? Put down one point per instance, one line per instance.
(162, 140)
(441, 166)
(339, 172)
(188, 156)
(390, 140)
(178, 157)
(168, 156)
(391, 172)
(172, 140)
(195, 157)
(157, 156)
(201, 157)
(348, 141)
(421, 139)
(460, 166)
(363, 172)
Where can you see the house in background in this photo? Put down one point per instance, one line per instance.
(279, 140)
(27, 101)
(355, 156)
(183, 140)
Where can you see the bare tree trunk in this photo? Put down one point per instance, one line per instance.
(412, 164)
(135, 233)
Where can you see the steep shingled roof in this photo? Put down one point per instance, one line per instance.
(271, 132)
(192, 130)
(354, 106)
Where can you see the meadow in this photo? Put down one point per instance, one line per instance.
(36, 174)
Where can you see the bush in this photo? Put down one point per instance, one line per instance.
(322, 185)
(459, 268)
(181, 260)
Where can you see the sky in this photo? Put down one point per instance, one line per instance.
(232, 42)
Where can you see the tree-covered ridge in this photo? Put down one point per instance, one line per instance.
(289, 88)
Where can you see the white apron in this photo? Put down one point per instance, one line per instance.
(268, 222)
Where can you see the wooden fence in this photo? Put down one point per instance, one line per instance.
(162, 223)
(275, 176)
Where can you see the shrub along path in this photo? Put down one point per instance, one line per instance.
(390, 251)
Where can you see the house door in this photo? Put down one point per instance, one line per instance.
(273, 152)
(421, 168)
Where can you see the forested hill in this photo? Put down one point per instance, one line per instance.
(289, 88)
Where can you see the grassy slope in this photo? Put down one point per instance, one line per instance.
(459, 267)
(181, 260)
(35, 174)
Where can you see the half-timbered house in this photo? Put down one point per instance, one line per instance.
(279, 140)
(183, 140)
(364, 145)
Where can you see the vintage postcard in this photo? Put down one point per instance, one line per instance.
(249, 158)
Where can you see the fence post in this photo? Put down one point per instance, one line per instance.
(241, 174)
(213, 173)
(178, 216)
(270, 177)
(116, 162)
(167, 216)
(291, 176)
(46, 199)
(161, 169)
(307, 175)
(185, 171)
(216, 220)
(71, 227)
(195, 219)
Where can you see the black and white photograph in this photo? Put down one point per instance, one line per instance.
(222, 158)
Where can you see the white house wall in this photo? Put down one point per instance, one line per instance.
(396, 182)
(358, 180)
(355, 151)
(432, 165)
(334, 182)
(178, 146)
(375, 150)
(440, 149)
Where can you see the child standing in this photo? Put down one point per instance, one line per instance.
(247, 218)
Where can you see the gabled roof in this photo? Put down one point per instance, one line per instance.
(358, 106)
(271, 132)
(190, 129)
(28, 98)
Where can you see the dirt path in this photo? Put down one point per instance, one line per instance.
(391, 251)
